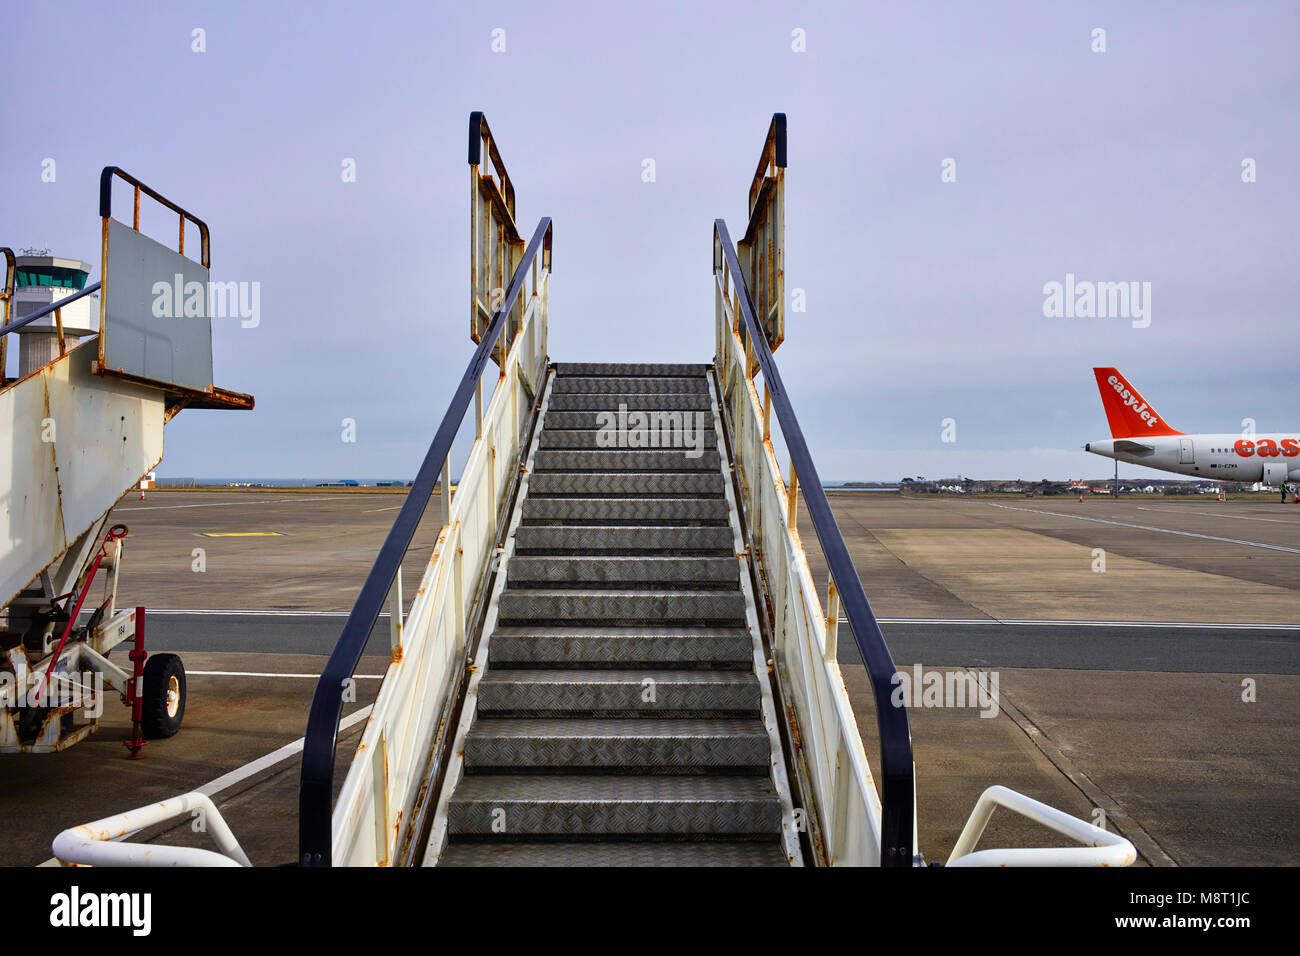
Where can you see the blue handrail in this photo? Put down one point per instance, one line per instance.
(52, 307)
(897, 772)
(316, 792)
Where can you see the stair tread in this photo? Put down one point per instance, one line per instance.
(597, 631)
(635, 401)
(618, 570)
(637, 677)
(641, 728)
(616, 384)
(613, 788)
(586, 603)
(711, 853)
(631, 369)
(619, 592)
(563, 540)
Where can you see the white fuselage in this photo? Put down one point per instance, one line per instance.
(1272, 458)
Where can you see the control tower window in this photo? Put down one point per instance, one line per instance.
(51, 276)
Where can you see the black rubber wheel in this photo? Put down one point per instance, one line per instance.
(164, 696)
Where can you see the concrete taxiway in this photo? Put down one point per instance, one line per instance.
(1160, 687)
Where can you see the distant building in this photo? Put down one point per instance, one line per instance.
(40, 280)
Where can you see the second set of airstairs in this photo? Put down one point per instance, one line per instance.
(80, 425)
(617, 653)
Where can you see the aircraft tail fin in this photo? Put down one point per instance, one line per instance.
(1127, 412)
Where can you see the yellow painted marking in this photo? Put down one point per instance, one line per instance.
(242, 534)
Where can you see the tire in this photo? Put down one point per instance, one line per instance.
(163, 704)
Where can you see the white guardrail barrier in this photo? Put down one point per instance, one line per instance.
(102, 843)
(1100, 847)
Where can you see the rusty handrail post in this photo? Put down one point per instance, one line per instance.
(316, 787)
(6, 294)
(898, 791)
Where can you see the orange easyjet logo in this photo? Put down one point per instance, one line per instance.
(1132, 401)
(1267, 448)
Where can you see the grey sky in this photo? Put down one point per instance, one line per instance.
(924, 299)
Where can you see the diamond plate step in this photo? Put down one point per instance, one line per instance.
(621, 459)
(710, 853)
(634, 484)
(645, 510)
(625, 369)
(601, 418)
(609, 418)
(549, 571)
(626, 384)
(527, 805)
(619, 718)
(624, 744)
(634, 402)
(679, 692)
(577, 646)
(688, 442)
(523, 606)
(588, 539)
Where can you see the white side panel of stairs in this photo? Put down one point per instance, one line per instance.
(79, 442)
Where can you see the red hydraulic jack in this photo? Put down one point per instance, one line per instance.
(135, 690)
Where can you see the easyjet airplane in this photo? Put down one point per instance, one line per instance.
(1141, 437)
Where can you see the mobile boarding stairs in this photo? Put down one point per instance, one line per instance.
(616, 654)
(79, 431)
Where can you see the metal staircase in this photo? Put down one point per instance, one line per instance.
(620, 719)
(78, 429)
(617, 653)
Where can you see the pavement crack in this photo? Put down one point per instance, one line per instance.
(1123, 821)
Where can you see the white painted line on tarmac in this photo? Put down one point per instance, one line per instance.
(1237, 625)
(1143, 527)
(227, 780)
(275, 756)
(1214, 625)
(264, 674)
(254, 612)
(1215, 514)
(227, 504)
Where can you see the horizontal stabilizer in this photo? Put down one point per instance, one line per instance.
(1131, 447)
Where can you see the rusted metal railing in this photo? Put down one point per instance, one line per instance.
(857, 825)
(762, 250)
(6, 296)
(495, 244)
(106, 178)
(378, 791)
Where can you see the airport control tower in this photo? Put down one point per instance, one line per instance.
(40, 280)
